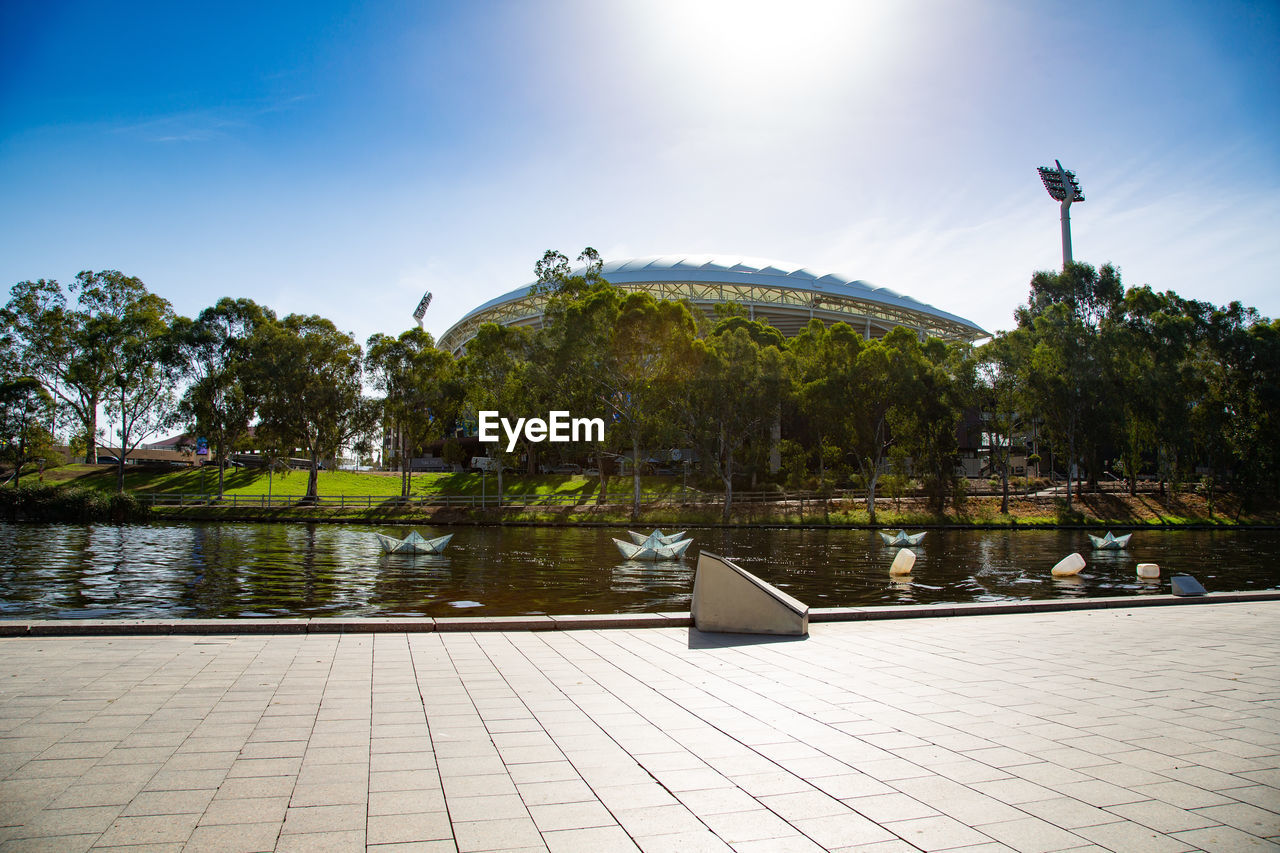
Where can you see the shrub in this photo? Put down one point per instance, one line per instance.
(41, 502)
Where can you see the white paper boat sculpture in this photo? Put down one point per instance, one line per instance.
(1109, 542)
(413, 544)
(656, 537)
(653, 551)
(901, 539)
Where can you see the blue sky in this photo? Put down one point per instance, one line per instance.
(340, 159)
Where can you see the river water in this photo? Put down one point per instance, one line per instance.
(244, 570)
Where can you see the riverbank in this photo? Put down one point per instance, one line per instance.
(1091, 510)
(79, 493)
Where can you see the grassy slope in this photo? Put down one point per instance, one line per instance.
(361, 484)
(1091, 510)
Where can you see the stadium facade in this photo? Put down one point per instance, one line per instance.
(785, 296)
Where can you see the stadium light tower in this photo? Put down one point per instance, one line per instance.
(1062, 186)
(421, 310)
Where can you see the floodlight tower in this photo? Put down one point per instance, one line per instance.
(1062, 186)
(421, 310)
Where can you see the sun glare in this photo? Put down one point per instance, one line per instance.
(737, 52)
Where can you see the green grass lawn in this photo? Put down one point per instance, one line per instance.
(242, 481)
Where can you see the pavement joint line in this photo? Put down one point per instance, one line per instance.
(588, 621)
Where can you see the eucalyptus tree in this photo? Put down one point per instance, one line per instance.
(496, 374)
(885, 384)
(647, 352)
(573, 350)
(825, 365)
(305, 375)
(218, 355)
(1001, 401)
(604, 350)
(420, 394)
(1067, 368)
(1248, 349)
(558, 281)
(578, 312)
(55, 344)
(26, 415)
(1155, 364)
(733, 396)
(138, 345)
(927, 426)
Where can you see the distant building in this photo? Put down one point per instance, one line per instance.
(785, 296)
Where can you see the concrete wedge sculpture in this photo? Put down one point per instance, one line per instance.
(729, 599)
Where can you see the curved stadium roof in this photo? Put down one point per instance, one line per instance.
(786, 296)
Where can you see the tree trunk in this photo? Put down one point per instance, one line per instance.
(871, 494)
(313, 477)
(1071, 455)
(604, 478)
(822, 486)
(91, 426)
(1131, 469)
(406, 473)
(1004, 487)
(635, 478)
(727, 467)
(220, 449)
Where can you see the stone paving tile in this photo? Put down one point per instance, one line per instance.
(592, 840)
(883, 808)
(347, 841)
(1226, 839)
(1133, 837)
(1031, 835)
(233, 838)
(1262, 796)
(583, 815)
(934, 833)
(1024, 732)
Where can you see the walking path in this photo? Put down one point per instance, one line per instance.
(1149, 729)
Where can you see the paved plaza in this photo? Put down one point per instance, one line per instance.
(1152, 729)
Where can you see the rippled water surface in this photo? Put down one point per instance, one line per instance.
(209, 570)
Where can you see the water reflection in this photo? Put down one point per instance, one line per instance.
(300, 569)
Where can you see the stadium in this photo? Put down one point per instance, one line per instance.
(787, 297)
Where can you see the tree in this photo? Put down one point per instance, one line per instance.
(1065, 374)
(733, 398)
(556, 279)
(1153, 364)
(306, 377)
(497, 370)
(140, 356)
(573, 348)
(826, 362)
(647, 350)
(1247, 399)
(927, 426)
(1000, 399)
(885, 382)
(216, 346)
(26, 411)
(57, 346)
(421, 397)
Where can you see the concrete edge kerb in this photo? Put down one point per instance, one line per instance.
(409, 624)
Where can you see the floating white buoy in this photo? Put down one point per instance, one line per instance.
(903, 562)
(1068, 566)
(1150, 571)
